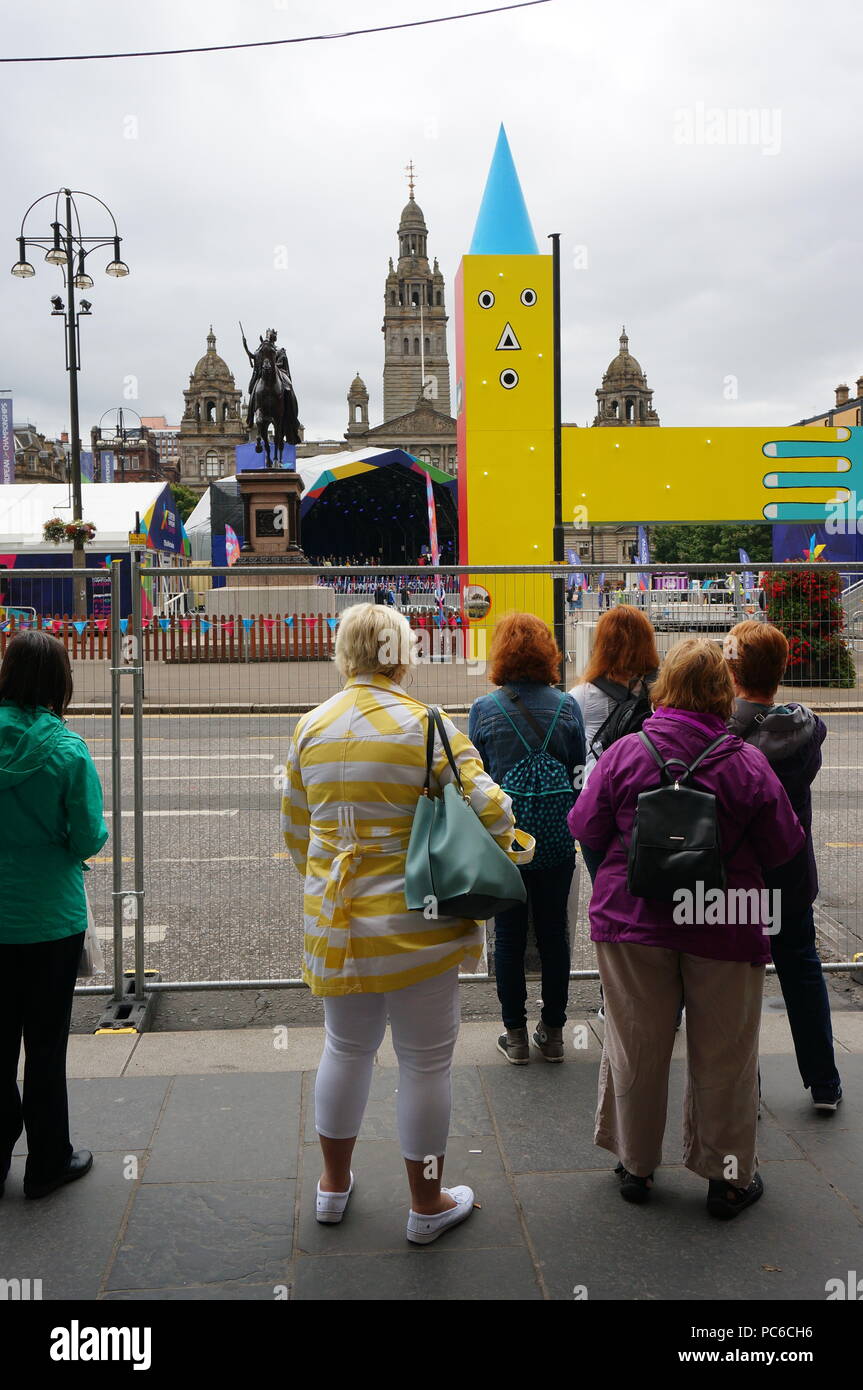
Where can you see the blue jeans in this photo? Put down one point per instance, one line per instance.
(798, 967)
(547, 894)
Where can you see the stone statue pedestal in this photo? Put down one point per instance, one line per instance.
(271, 508)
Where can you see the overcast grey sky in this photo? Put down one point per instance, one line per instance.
(732, 253)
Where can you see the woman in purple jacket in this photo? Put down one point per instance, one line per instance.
(712, 947)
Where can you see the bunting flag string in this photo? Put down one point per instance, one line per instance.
(185, 624)
(228, 626)
(332, 623)
(311, 622)
(79, 627)
(164, 624)
(289, 621)
(101, 624)
(124, 623)
(248, 624)
(205, 626)
(269, 623)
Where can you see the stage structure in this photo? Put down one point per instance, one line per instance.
(505, 317)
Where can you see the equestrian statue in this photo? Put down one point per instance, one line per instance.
(271, 398)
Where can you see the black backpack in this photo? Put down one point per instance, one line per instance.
(631, 708)
(675, 837)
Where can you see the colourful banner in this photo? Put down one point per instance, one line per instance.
(232, 544)
(435, 552)
(7, 441)
(86, 465)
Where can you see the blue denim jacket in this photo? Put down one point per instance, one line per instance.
(499, 745)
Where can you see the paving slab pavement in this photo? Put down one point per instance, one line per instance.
(206, 1163)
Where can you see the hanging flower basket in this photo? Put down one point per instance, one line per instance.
(56, 530)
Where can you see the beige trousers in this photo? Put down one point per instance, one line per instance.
(643, 986)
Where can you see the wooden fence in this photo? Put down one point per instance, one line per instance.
(199, 638)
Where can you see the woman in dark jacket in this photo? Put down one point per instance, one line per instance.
(790, 737)
(710, 944)
(51, 815)
(506, 728)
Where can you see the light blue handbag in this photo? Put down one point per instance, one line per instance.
(452, 860)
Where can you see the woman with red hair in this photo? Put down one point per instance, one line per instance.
(527, 721)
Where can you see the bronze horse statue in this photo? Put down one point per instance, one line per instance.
(267, 406)
(271, 398)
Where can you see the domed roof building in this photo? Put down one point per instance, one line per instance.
(213, 422)
(624, 398)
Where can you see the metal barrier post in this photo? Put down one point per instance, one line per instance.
(130, 1010)
(138, 779)
(116, 782)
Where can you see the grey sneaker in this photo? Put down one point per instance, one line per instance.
(549, 1041)
(514, 1046)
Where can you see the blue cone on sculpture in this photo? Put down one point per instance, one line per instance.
(503, 227)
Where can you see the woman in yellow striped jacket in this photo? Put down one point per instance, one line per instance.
(355, 773)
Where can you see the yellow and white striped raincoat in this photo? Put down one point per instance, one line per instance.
(354, 775)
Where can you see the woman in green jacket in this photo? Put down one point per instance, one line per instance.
(50, 822)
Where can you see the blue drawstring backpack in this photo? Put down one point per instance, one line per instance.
(541, 793)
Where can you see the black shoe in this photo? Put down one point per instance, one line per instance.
(633, 1189)
(827, 1099)
(726, 1201)
(79, 1164)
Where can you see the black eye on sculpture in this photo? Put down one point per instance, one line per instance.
(528, 298)
(508, 379)
(485, 299)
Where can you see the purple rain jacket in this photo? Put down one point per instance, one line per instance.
(756, 824)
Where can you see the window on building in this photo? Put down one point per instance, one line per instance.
(211, 412)
(439, 299)
(393, 298)
(406, 347)
(224, 411)
(630, 410)
(424, 456)
(416, 347)
(212, 468)
(358, 414)
(428, 346)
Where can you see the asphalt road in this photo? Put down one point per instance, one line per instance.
(223, 899)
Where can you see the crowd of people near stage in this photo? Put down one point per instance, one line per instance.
(683, 786)
(407, 589)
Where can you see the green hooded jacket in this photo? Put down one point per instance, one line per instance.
(50, 822)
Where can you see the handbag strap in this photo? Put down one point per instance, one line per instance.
(435, 721)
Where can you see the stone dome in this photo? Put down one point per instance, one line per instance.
(624, 367)
(211, 364)
(358, 386)
(412, 216)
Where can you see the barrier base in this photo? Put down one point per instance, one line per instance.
(128, 1014)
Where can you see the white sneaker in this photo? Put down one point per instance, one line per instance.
(424, 1229)
(330, 1206)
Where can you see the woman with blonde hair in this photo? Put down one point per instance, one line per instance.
(355, 773)
(650, 949)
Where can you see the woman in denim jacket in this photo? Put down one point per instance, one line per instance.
(525, 664)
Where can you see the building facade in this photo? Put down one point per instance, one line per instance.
(213, 422)
(167, 440)
(37, 459)
(416, 362)
(846, 411)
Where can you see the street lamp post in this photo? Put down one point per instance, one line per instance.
(69, 249)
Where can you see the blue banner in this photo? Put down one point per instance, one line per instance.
(86, 465)
(108, 464)
(7, 441)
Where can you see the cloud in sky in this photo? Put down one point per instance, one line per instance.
(267, 185)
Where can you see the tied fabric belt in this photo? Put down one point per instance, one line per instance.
(334, 919)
